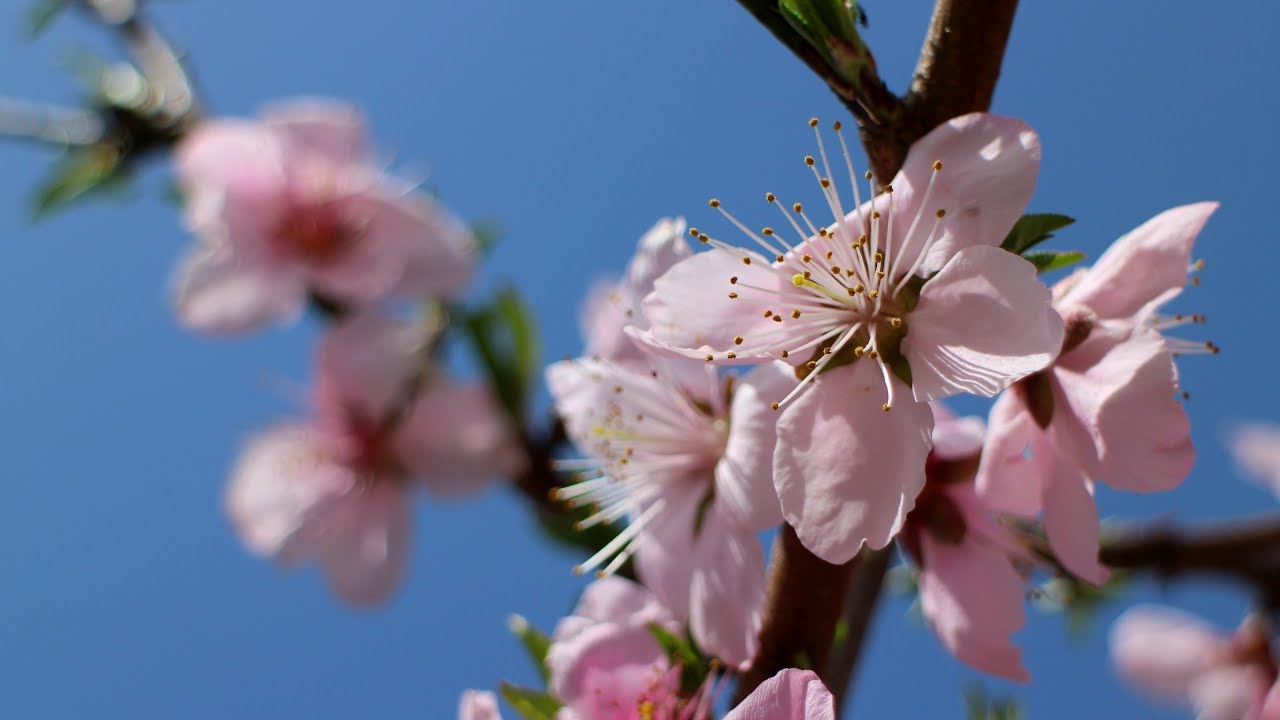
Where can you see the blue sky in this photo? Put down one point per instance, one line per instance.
(575, 125)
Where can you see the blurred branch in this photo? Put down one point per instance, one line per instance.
(859, 610)
(1247, 550)
(956, 74)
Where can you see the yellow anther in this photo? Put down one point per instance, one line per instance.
(795, 314)
(937, 164)
(879, 257)
(693, 232)
(731, 354)
(813, 122)
(895, 322)
(767, 231)
(875, 214)
(873, 294)
(867, 175)
(885, 407)
(733, 296)
(798, 208)
(773, 405)
(784, 354)
(709, 358)
(714, 203)
(858, 351)
(836, 126)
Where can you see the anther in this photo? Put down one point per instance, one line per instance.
(737, 340)
(784, 354)
(693, 232)
(858, 351)
(937, 164)
(875, 214)
(767, 231)
(873, 294)
(795, 314)
(885, 407)
(773, 405)
(836, 126)
(746, 260)
(811, 364)
(873, 354)
(867, 175)
(709, 358)
(888, 189)
(779, 258)
(941, 213)
(858, 288)
(714, 203)
(813, 122)
(768, 313)
(895, 322)
(808, 160)
(879, 257)
(702, 238)
(731, 354)
(798, 208)
(806, 258)
(825, 183)
(769, 197)
(733, 296)
(807, 274)
(826, 351)
(733, 280)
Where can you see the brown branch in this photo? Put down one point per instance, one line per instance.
(956, 74)
(1246, 550)
(859, 610)
(806, 595)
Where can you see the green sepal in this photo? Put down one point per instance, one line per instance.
(535, 642)
(504, 336)
(1031, 230)
(1046, 260)
(530, 704)
(93, 169)
(685, 653)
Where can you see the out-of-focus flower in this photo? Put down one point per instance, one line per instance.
(970, 591)
(1178, 657)
(336, 489)
(1107, 408)
(905, 299)
(1256, 448)
(789, 695)
(294, 204)
(478, 705)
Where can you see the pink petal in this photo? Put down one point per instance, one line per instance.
(330, 128)
(690, 312)
(973, 598)
(281, 478)
(1256, 448)
(601, 319)
(658, 251)
(438, 248)
(983, 322)
(456, 439)
(1229, 692)
(607, 671)
(290, 497)
(478, 705)
(1270, 709)
(727, 590)
(665, 552)
(363, 366)
(956, 438)
(846, 471)
(789, 695)
(365, 543)
(616, 600)
(1070, 515)
(744, 475)
(1007, 480)
(218, 292)
(990, 164)
(228, 162)
(1144, 437)
(1163, 650)
(1149, 263)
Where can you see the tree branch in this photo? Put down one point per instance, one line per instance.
(956, 74)
(1246, 550)
(859, 610)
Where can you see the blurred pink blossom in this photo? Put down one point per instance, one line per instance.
(1256, 448)
(1178, 657)
(336, 489)
(293, 204)
(1107, 408)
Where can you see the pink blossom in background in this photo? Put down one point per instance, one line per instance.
(336, 490)
(1178, 657)
(789, 695)
(912, 280)
(971, 593)
(1256, 449)
(293, 204)
(1107, 409)
(478, 705)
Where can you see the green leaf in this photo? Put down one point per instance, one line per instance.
(534, 641)
(1031, 230)
(487, 233)
(979, 705)
(530, 704)
(685, 653)
(88, 170)
(42, 14)
(504, 336)
(1046, 260)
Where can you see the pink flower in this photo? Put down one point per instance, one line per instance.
(478, 705)
(970, 591)
(605, 664)
(905, 299)
(293, 204)
(690, 466)
(336, 490)
(1107, 408)
(1256, 447)
(604, 661)
(1178, 657)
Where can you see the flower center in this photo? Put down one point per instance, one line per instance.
(315, 233)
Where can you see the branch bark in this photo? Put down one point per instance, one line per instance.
(956, 74)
